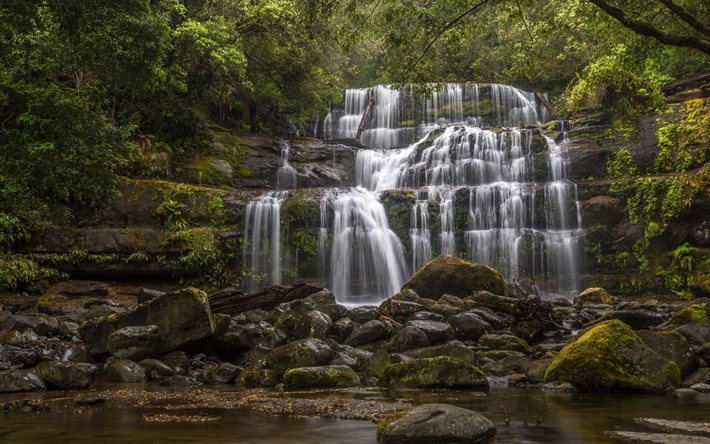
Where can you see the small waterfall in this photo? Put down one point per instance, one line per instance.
(262, 236)
(419, 233)
(286, 174)
(367, 261)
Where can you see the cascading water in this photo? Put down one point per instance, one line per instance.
(286, 174)
(262, 236)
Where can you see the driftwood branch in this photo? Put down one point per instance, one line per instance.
(363, 119)
(232, 301)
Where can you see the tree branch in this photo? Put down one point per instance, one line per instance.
(649, 31)
(686, 16)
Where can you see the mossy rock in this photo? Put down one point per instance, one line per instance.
(455, 276)
(593, 296)
(695, 314)
(700, 285)
(329, 376)
(505, 342)
(442, 371)
(611, 357)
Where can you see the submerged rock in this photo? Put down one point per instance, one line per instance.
(67, 375)
(454, 276)
(330, 376)
(610, 356)
(442, 371)
(435, 423)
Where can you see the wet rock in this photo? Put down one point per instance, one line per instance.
(12, 381)
(562, 387)
(469, 326)
(408, 338)
(442, 371)
(610, 356)
(89, 399)
(224, 373)
(685, 393)
(179, 381)
(374, 366)
(672, 426)
(135, 343)
(437, 332)
(398, 309)
(505, 342)
(455, 276)
(637, 319)
(362, 314)
(703, 352)
(536, 371)
(345, 359)
(331, 376)
(453, 349)
(156, 369)
(694, 314)
(696, 334)
(370, 331)
(593, 296)
(426, 316)
(672, 346)
(238, 339)
(440, 423)
(700, 387)
(14, 337)
(312, 324)
(504, 362)
(300, 353)
(655, 438)
(42, 325)
(445, 308)
(147, 294)
(77, 353)
(122, 370)
(175, 360)
(68, 329)
(67, 375)
(182, 317)
(24, 406)
(257, 376)
(699, 376)
(342, 328)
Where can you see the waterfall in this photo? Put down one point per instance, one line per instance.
(262, 237)
(419, 233)
(286, 174)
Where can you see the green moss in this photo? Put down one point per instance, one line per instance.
(321, 377)
(440, 371)
(695, 314)
(384, 422)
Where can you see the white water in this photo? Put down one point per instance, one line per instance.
(286, 174)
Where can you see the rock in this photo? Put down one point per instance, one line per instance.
(40, 324)
(24, 406)
(224, 373)
(696, 334)
(300, 353)
(704, 352)
(256, 376)
(342, 328)
(536, 371)
(175, 360)
(700, 285)
(371, 331)
(68, 329)
(238, 339)
(345, 359)
(695, 314)
(437, 332)
(672, 346)
(700, 387)
(435, 423)
(182, 317)
(453, 349)
(313, 324)
(330, 376)
(699, 376)
(671, 426)
(505, 342)
(504, 362)
(685, 393)
(375, 365)
(147, 294)
(442, 371)
(408, 338)
(179, 381)
(561, 387)
(122, 370)
(134, 343)
(593, 296)
(89, 399)
(637, 319)
(67, 375)
(362, 314)
(14, 337)
(656, 438)
(156, 369)
(469, 326)
(398, 309)
(610, 356)
(12, 381)
(455, 276)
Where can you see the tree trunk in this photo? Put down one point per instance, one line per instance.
(361, 126)
(232, 301)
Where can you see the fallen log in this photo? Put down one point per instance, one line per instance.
(232, 301)
(363, 119)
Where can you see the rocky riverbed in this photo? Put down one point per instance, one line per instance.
(472, 337)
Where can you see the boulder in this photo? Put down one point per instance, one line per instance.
(224, 373)
(41, 324)
(453, 349)
(611, 357)
(371, 331)
(183, 317)
(437, 332)
(342, 328)
(176, 360)
(442, 371)
(12, 381)
(362, 314)
(330, 376)
(308, 352)
(638, 319)
(699, 376)
(593, 296)
(672, 346)
(147, 294)
(312, 324)
(156, 368)
(455, 276)
(435, 423)
(695, 314)
(398, 309)
(505, 342)
(67, 375)
(122, 370)
(408, 338)
(135, 343)
(469, 326)
(504, 362)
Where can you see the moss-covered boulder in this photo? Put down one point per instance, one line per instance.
(611, 357)
(454, 276)
(308, 352)
(593, 296)
(329, 376)
(442, 371)
(505, 342)
(695, 314)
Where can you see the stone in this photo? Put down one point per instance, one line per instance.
(453, 349)
(135, 343)
(68, 329)
(330, 376)
(672, 426)
(312, 324)
(435, 423)
(694, 314)
(685, 393)
(179, 381)
(701, 387)
(398, 309)
(182, 317)
(536, 371)
(672, 346)
(375, 364)
(696, 334)
(308, 352)
(593, 296)
(611, 357)
(505, 342)
(175, 360)
(656, 438)
(147, 294)
(156, 369)
(122, 370)
(14, 337)
(363, 314)
(89, 399)
(699, 376)
(700, 285)
(425, 316)
(12, 381)
(42, 325)
(639, 319)
(371, 331)
(504, 362)
(345, 359)
(442, 371)
(224, 373)
(408, 338)
(704, 352)
(451, 275)
(67, 375)
(469, 326)
(342, 328)
(437, 332)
